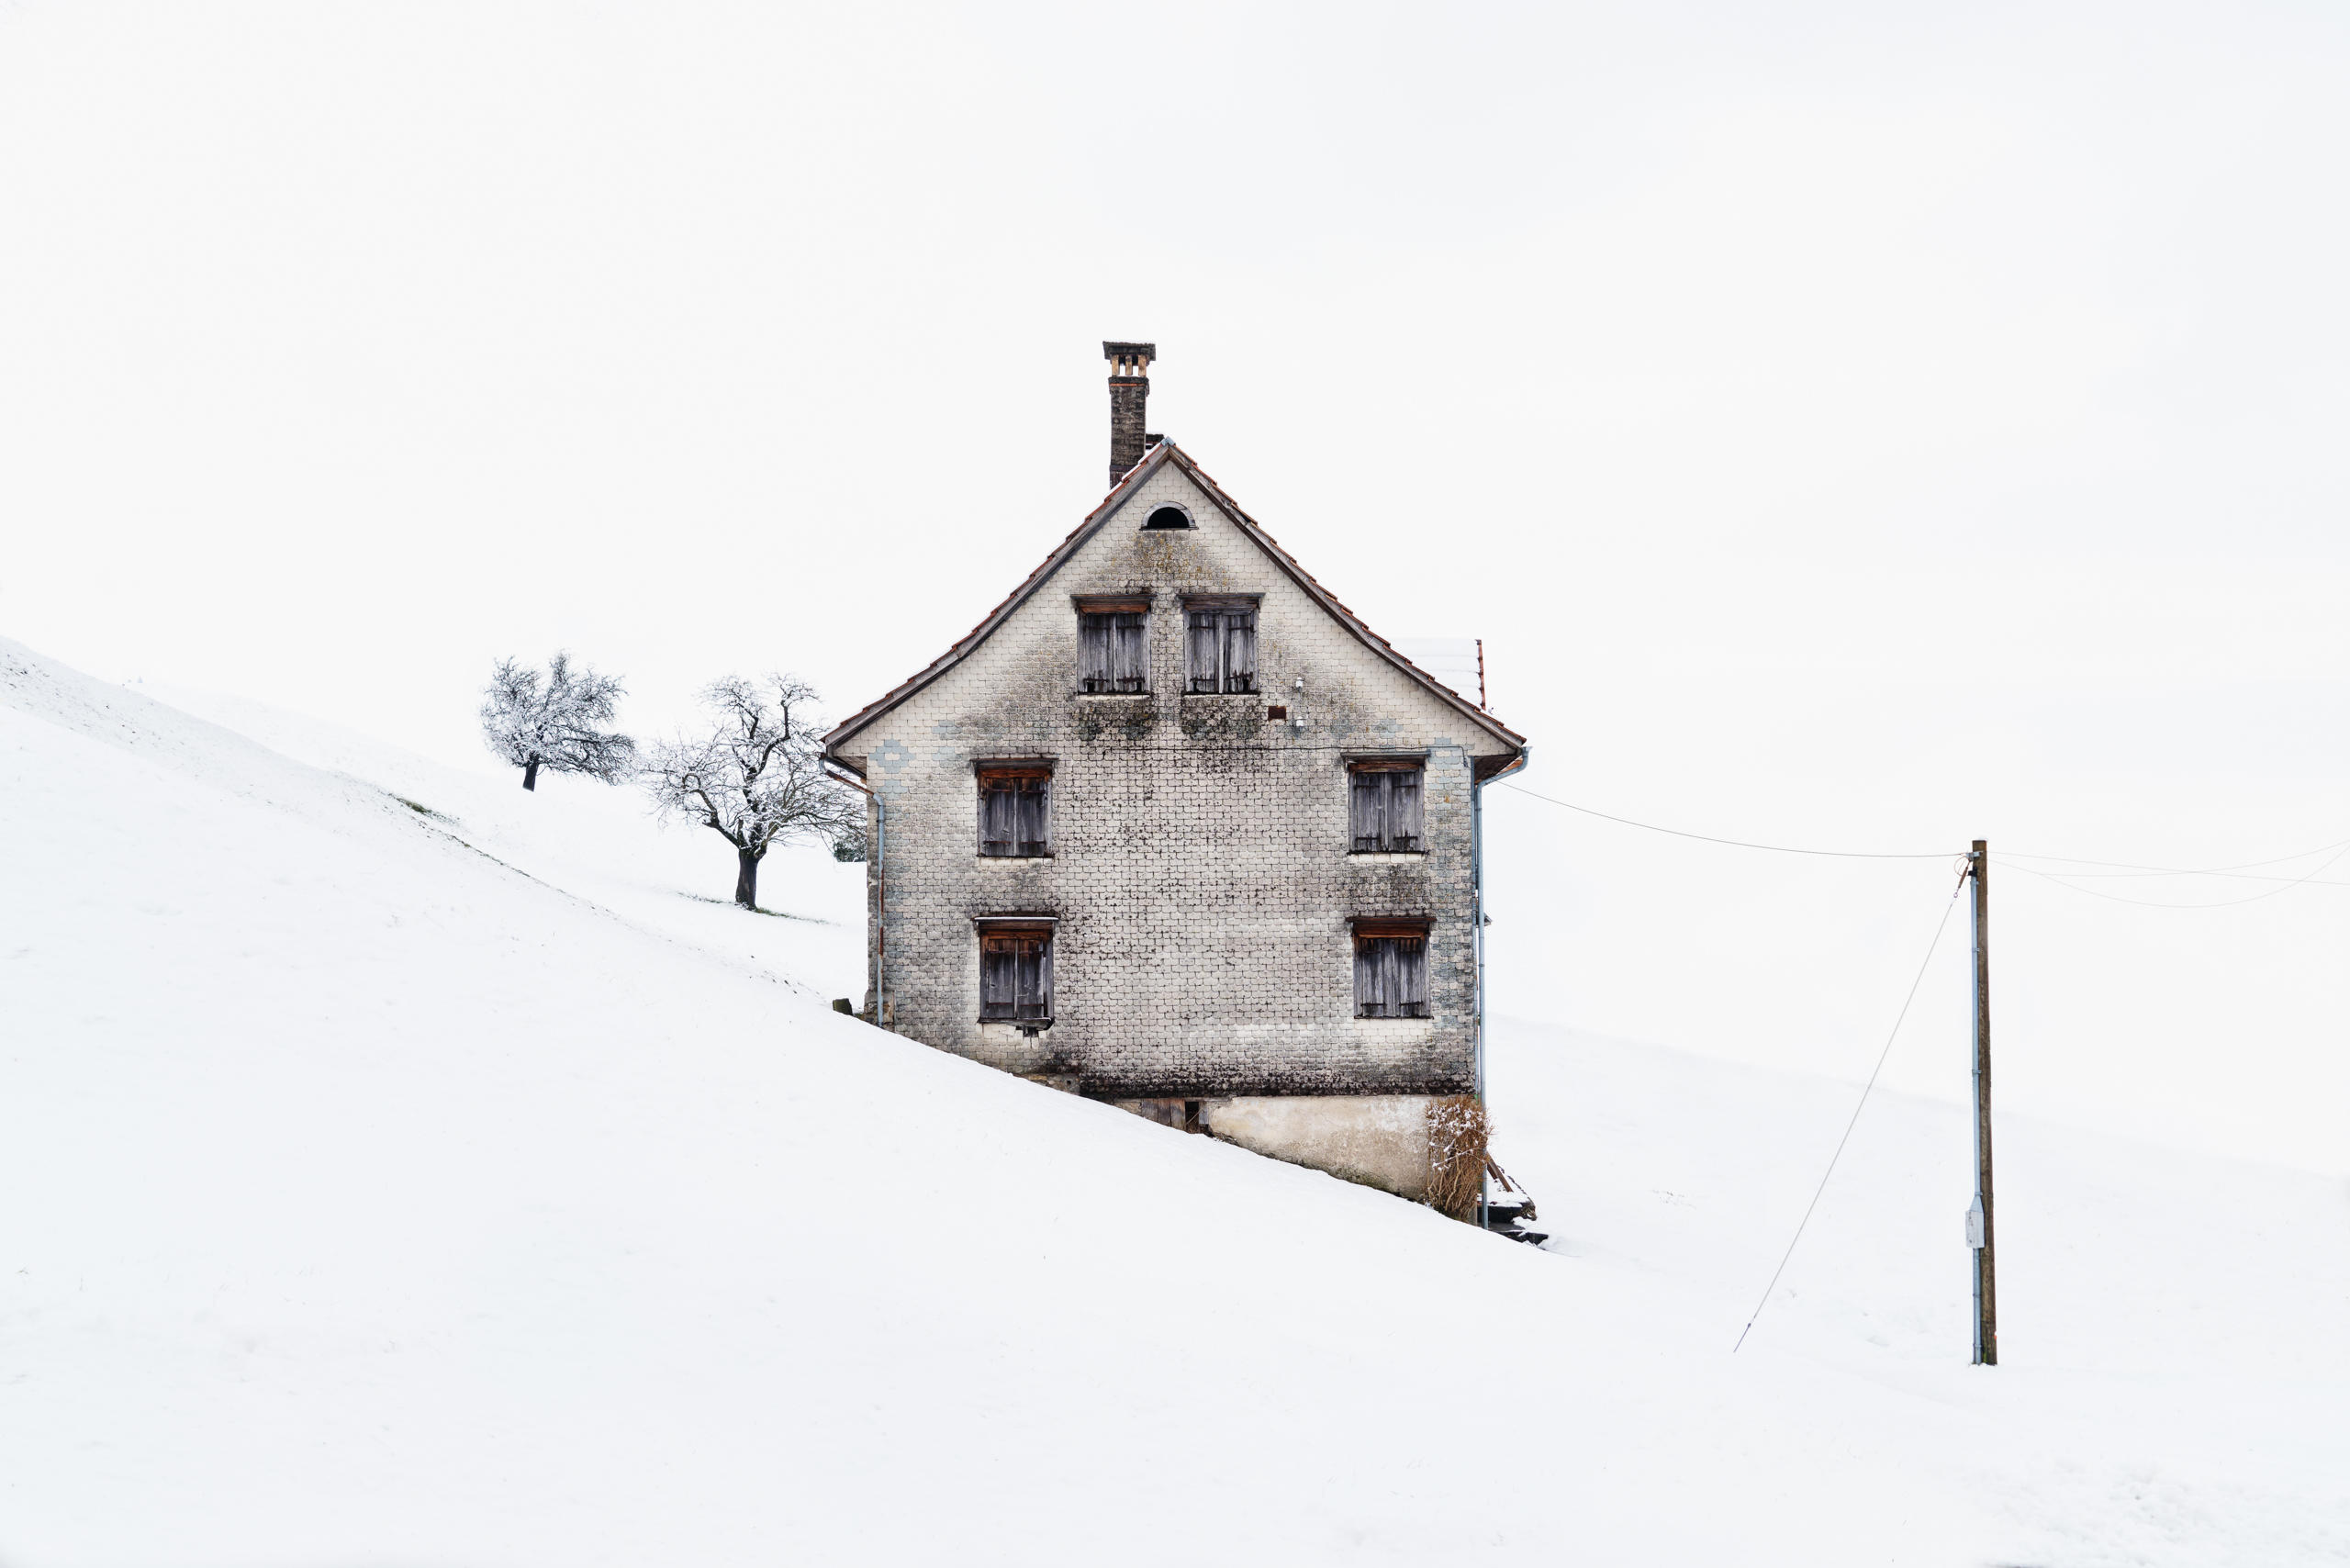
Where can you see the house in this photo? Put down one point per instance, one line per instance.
(1173, 829)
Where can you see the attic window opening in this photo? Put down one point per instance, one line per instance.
(1168, 517)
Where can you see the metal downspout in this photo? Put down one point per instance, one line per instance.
(880, 891)
(1477, 882)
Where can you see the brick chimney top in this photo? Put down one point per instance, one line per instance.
(1131, 359)
(1129, 392)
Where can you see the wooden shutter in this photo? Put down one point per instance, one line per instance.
(1200, 650)
(1390, 967)
(1365, 812)
(1411, 992)
(999, 825)
(1403, 816)
(1130, 651)
(1017, 973)
(1240, 650)
(1093, 653)
(996, 979)
(1033, 962)
(1033, 797)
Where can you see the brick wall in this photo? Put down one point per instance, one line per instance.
(1199, 868)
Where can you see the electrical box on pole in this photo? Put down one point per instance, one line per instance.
(1978, 1217)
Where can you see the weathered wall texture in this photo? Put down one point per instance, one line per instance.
(1199, 868)
(1380, 1140)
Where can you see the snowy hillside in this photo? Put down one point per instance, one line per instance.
(455, 1185)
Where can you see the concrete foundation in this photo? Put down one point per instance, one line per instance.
(1380, 1140)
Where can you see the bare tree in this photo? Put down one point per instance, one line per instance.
(758, 778)
(555, 720)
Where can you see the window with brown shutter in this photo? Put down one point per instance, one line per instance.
(1383, 806)
(1015, 809)
(1015, 973)
(1112, 645)
(1220, 646)
(1391, 969)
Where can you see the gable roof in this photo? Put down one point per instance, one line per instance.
(1164, 456)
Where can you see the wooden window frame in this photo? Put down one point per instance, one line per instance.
(1391, 967)
(1397, 821)
(1011, 777)
(1100, 616)
(1230, 621)
(1003, 943)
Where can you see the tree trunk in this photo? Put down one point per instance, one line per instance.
(746, 879)
(531, 772)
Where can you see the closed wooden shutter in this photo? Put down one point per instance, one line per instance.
(1411, 992)
(1130, 651)
(1032, 798)
(1093, 661)
(1366, 812)
(1240, 650)
(998, 818)
(1404, 823)
(1391, 967)
(1014, 808)
(1200, 650)
(1035, 1000)
(1385, 806)
(1016, 974)
(997, 981)
(1367, 995)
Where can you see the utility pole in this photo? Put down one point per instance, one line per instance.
(1978, 1218)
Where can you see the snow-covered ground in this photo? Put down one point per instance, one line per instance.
(462, 1186)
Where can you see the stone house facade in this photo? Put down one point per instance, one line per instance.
(1172, 828)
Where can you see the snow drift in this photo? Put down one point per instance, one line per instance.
(436, 1181)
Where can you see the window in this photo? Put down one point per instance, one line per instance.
(1112, 645)
(1220, 645)
(1168, 517)
(1017, 973)
(1383, 806)
(1391, 969)
(1014, 809)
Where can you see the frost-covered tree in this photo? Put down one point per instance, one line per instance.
(558, 720)
(757, 778)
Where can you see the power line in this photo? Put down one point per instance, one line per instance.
(1736, 843)
(2178, 870)
(2311, 879)
(2240, 872)
(1939, 927)
(2221, 903)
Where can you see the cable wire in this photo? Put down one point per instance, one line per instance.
(1942, 925)
(2057, 877)
(2013, 855)
(1736, 843)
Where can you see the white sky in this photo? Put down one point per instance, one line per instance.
(1845, 428)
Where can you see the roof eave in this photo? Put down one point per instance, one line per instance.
(1157, 458)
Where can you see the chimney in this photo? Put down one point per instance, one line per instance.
(1129, 390)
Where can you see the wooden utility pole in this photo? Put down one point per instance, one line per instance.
(1978, 1218)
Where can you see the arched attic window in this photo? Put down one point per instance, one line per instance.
(1168, 517)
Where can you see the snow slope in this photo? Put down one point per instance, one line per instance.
(381, 1187)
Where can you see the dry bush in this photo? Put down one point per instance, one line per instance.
(1456, 1133)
